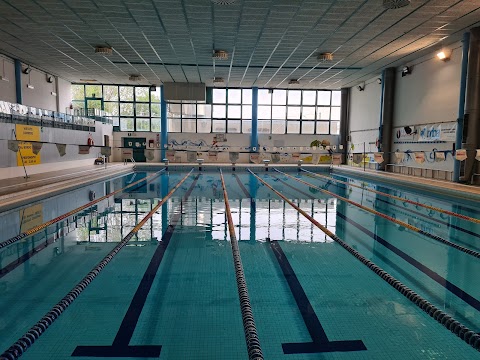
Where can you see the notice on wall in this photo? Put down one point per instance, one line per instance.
(30, 217)
(26, 154)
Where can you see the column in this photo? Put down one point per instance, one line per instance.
(344, 122)
(163, 125)
(388, 95)
(18, 80)
(254, 138)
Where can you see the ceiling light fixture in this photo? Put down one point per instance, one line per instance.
(395, 4)
(444, 54)
(88, 80)
(294, 82)
(218, 80)
(103, 50)
(224, 2)
(324, 57)
(134, 77)
(220, 55)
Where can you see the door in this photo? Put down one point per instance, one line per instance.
(138, 145)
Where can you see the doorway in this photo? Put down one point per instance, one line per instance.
(138, 145)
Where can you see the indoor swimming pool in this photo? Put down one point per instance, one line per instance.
(130, 275)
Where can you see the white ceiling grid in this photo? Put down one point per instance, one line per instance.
(269, 41)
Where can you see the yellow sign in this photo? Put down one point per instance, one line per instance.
(25, 149)
(31, 217)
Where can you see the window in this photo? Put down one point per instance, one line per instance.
(132, 108)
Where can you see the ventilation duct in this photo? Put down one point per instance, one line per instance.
(134, 77)
(184, 91)
(218, 80)
(224, 2)
(395, 4)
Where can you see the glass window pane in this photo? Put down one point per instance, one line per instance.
(219, 96)
(247, 96)
(335, 127)
(308, 113)
(219, 111)
(247, 126)
(142, 94)
(115, 121)
(234, 111)
(174, 111)
(293, 112)
(323, 127)
(155, 95)
(142, 124)
(156, 124)
(174, 125)
(308, 127)
(110, 93)
(234, 96)
(309, 97)
(189, 110)
(323, 113)
(142, 109)
(126, 109)
(78, 92)
(279, 112)
(204, 111)
(279, 97)
(155, 108)
(264, 127)
(219, 126)
(264, 97)
(264, 112)
(294, 97)
(189, 125)
(323, 98)
(126, 93)
(246, 111)
(293, 127)
(111, 108)
(127, 124)
(93, 91)
(204, 125)
(278, 126)
(336, 98)
(335, 113)
(234, 126)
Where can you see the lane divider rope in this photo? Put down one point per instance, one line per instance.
(434, 208)
(32, 335)
(389, 218)
(249, 328)
(70, 213)
(463, 332)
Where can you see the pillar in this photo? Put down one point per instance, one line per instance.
(163, 124)
(254, 138)
(18, 80)
(386, 115)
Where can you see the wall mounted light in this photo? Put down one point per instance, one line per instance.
(406, 70)
(444, 54)
(27, 70)
(379, 81)
(361, 88)
(49, 79)
(3, 77)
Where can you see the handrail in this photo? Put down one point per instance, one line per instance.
(32, 335)
(398, 222)
(455, 326)
(249, 328)
(61, 217)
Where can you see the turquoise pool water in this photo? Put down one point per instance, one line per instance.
(191, 310)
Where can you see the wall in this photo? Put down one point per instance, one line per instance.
(49, 155)
(39, 97)
(428, 96)
(364, 116)
(7, 89)
(235, 142)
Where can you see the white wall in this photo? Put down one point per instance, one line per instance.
(39, 97)
(7, 89)
(233, 141)
(364, 115)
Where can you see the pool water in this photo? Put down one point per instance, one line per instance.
(172, 289)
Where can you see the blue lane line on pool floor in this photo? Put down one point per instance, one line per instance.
(320, 342)
(120, 346)
(469, 299)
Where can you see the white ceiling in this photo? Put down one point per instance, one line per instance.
(269, 41)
